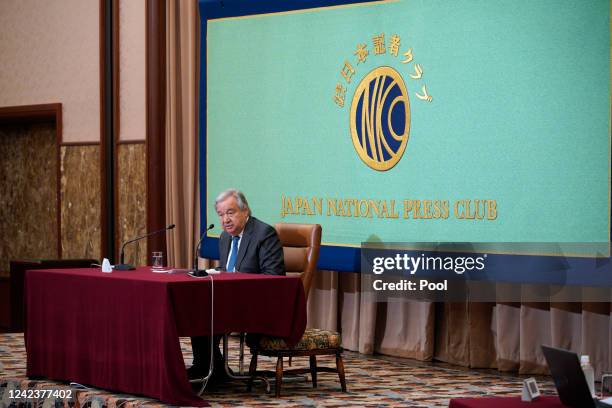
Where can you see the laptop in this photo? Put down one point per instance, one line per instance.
(569, 379)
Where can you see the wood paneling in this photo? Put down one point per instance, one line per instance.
(28, 192)
(156, 123)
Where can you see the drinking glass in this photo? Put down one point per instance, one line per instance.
(158, 260)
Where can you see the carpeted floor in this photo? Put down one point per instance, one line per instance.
(371, 381)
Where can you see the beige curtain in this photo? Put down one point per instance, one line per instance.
(182, 54)
(506, 336)
(396, 327)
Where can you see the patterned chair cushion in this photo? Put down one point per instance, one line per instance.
(311, 340)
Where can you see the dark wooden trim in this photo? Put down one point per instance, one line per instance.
(30, 113)
(48, 112)
(104, 232)
(116, 70)
(59, 139)
(156, 121)
(122, 142)
(108, 127)
(116, 123)
(96, 143)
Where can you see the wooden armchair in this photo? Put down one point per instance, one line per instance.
(301, 244)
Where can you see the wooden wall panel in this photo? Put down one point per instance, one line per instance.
(80, 198)
(132, 201)
(28, 192)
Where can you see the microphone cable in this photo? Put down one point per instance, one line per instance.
(79, 386)
(211, 363)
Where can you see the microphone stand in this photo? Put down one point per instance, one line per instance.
(127, 267)
(195, 271)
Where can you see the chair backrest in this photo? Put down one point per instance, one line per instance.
(301, 244)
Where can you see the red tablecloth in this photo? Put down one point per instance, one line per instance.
(121, 330)
(505, 402)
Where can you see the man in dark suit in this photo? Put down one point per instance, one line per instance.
(246, 245)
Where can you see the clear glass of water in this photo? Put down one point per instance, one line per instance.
(158, 260)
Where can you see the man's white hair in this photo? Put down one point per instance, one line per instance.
(237, 194)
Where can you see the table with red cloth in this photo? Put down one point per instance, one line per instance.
(120, 330)
(505, 402)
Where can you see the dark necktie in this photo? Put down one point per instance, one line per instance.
(231, 266)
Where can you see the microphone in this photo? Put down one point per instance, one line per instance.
(126, 267)
(195, 271)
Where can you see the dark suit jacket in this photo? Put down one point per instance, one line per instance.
(260, 249)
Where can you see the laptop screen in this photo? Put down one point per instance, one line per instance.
(569, 379)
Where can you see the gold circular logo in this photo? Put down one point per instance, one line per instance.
(380, 118)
